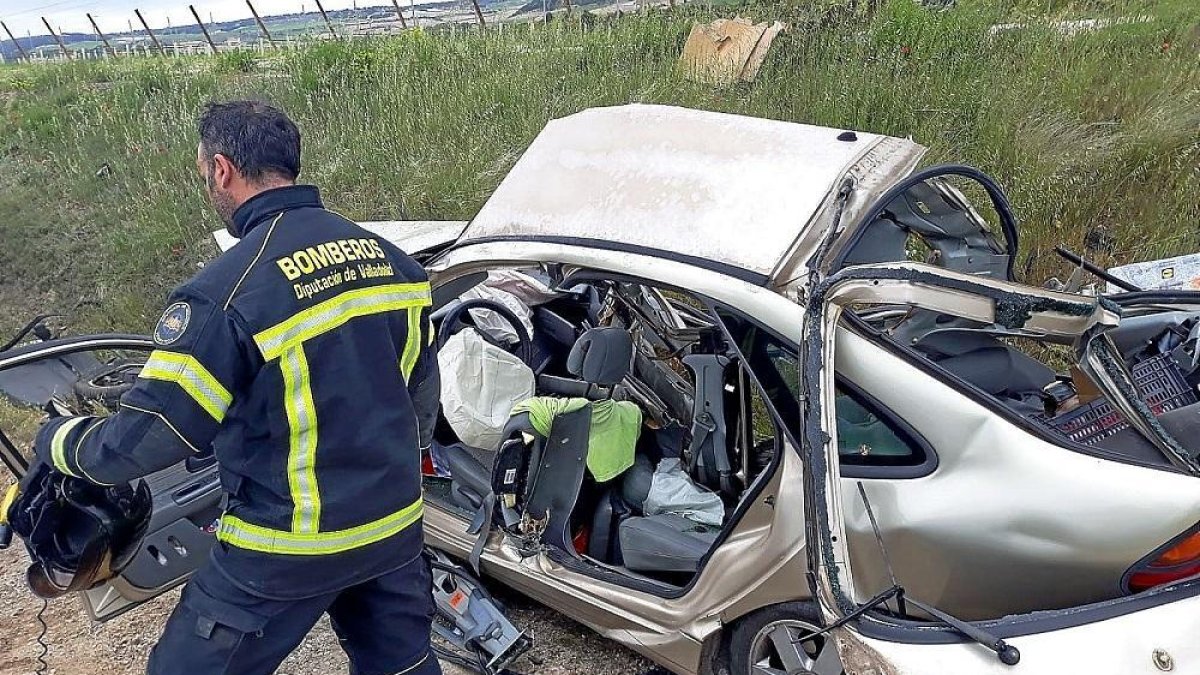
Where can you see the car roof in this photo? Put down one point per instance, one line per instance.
(732, 190)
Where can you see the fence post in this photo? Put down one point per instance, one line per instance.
(478, 13)
(328, 23)
(20, 49)
(153, 37)
(261, 26)
(107, 47)
(62, 46)
(399, 14)
(203, 29)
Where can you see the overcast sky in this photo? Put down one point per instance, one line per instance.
(113, 15)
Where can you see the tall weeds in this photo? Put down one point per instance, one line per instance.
(100, 203)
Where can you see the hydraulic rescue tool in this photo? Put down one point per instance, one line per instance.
(469, 618)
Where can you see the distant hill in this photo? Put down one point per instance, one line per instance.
(553, 5)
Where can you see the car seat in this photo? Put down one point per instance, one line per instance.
(988, 363)
(662, 543)
(539, 470)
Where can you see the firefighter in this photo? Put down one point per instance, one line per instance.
(303, 358)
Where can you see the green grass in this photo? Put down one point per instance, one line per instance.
(1098, 129)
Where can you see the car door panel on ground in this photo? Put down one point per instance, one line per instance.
(187, 496)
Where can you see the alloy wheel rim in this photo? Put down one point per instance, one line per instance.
(787, 647)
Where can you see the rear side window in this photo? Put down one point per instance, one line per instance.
(873, 442)
(871, 437)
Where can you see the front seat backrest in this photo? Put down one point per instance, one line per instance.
(540, 469)
(602, 356)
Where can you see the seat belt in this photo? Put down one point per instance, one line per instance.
(481, 525)
(708, 453)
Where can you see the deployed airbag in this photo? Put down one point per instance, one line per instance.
(480, 385)
(515, 290)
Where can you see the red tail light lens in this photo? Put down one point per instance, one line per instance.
(1179, 561)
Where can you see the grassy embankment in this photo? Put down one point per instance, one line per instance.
(101, 211)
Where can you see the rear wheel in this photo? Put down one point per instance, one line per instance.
(780, 640)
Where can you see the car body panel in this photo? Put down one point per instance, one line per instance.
(726, 189)
(1149, 642)
(1078, 648)
(989, 469)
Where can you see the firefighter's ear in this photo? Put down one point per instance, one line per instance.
(224, 172)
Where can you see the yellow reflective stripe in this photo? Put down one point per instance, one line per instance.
(193, 377)
(302, 441)
(237, 532)
(10, 496)
(336, 311)
(412, 345)
(58, 447)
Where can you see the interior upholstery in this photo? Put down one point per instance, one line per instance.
(602, 356)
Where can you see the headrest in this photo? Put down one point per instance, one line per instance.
(602, 356)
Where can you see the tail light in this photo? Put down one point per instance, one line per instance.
(1179, 559)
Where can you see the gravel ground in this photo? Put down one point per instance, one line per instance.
(80, 647)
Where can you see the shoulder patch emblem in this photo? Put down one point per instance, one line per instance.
(173, 323)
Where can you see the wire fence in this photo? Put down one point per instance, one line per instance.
(285, 31)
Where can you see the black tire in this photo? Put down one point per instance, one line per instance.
(108, 382)
(750, 644)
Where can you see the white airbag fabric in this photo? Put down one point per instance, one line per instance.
(480, 385)
(515, 290)
(672, 491)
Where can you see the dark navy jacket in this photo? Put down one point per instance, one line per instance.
(303, 357)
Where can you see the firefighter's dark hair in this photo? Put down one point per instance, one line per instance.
(258, 138)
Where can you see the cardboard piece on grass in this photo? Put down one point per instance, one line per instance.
(727, 50)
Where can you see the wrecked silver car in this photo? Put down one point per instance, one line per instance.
(761, 396)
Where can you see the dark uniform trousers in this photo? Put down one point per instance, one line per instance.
(218, 629)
